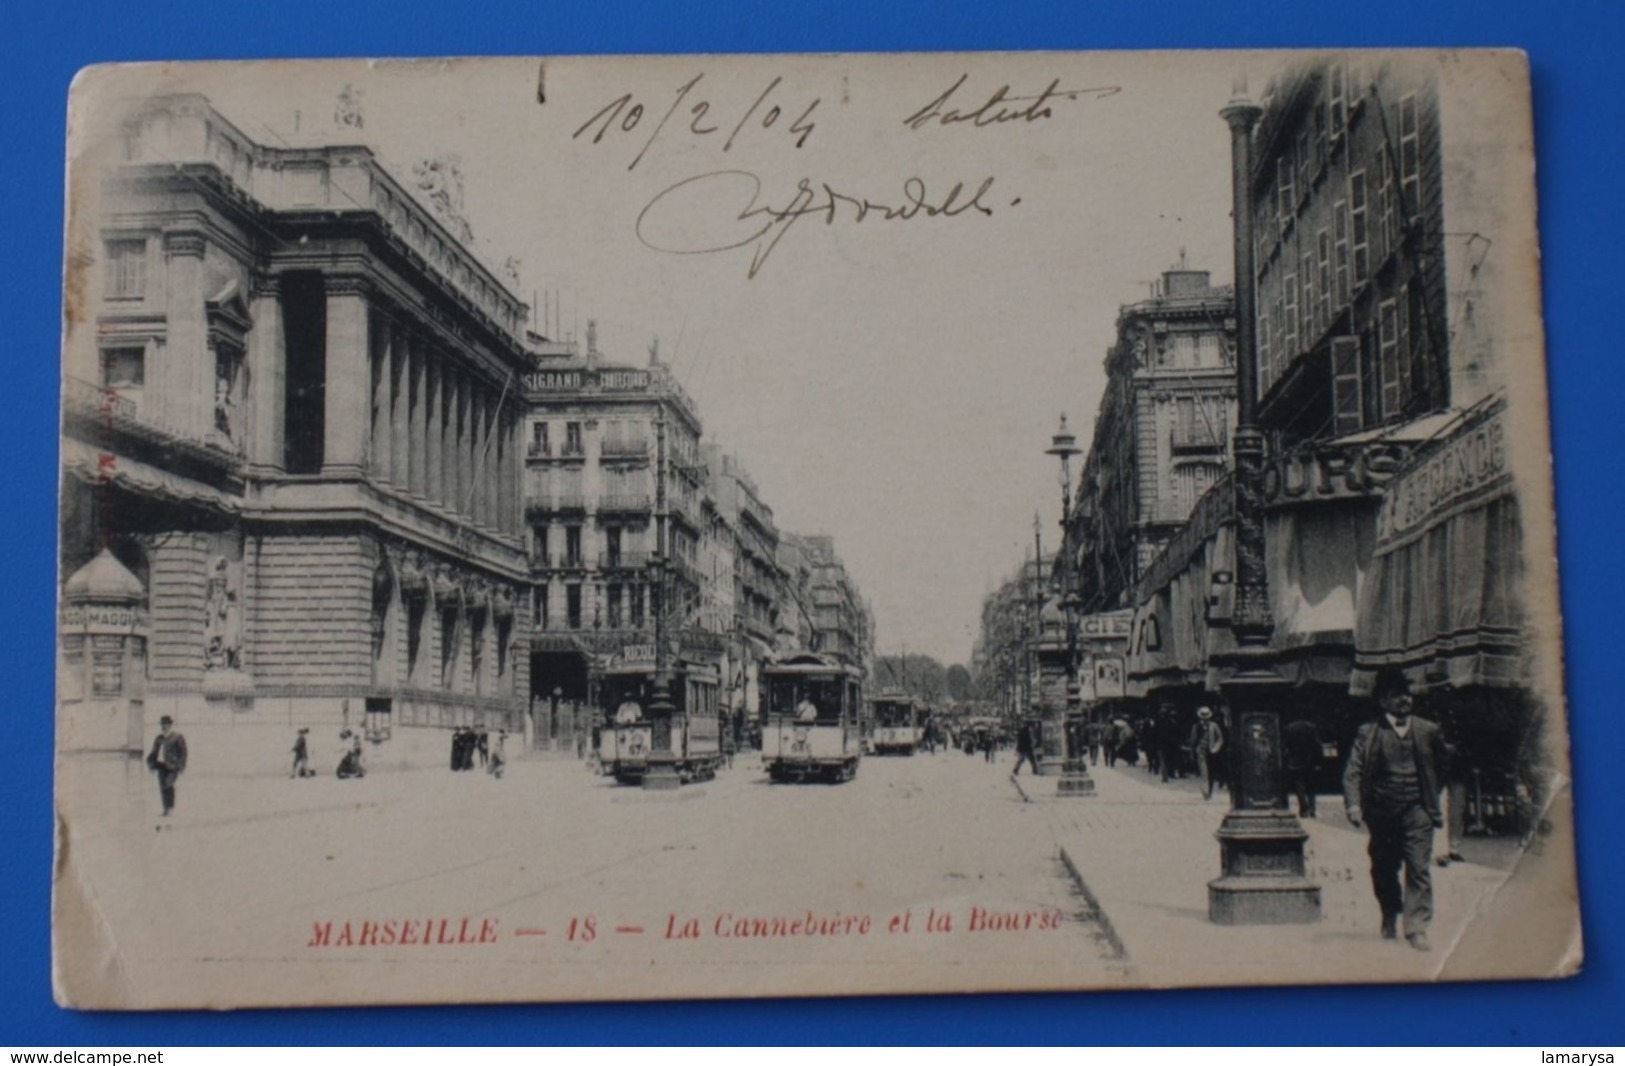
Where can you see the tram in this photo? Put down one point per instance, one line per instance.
(899, 727)
(813, 708)
(627, 738)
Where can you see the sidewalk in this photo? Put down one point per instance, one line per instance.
(1143, 851)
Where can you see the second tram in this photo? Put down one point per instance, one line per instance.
(899, 728)
(813, 706)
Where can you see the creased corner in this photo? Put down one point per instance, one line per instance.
(88, 969)
(1527, 922)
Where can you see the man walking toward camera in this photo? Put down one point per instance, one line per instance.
(1391, 785)
(168, 759)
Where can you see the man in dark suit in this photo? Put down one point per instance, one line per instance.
(168, 759)
(1391, 785)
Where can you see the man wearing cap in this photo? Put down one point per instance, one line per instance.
(1391, 786)
(168, 759)
(1207, 740)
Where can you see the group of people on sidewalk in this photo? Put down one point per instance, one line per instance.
(350, 763)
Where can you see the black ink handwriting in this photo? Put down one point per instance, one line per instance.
(1000, 106)
(625, 113)
(721, 211)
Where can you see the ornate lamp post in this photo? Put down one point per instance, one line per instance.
(1075, 779)
(1260, 841)
(662, 769)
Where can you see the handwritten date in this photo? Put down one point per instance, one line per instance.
(625, 114)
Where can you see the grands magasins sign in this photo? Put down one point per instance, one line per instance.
(621, 379)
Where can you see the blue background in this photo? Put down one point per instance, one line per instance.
(1574, 47)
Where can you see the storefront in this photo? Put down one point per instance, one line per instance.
(1444, 605)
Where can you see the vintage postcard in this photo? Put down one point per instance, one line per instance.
(723, 526)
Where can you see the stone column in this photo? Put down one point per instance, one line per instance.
(381, 440)
(400, 410)
(348, 345)
(507, 484)
(448, 441)
(476, 453)
(417, 436)
(267, 378)
(457, 442)
(488, 467)
(186, 381)
(435, 418)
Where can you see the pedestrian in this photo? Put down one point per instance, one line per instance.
(1391, 786)
(1026, 747)
(1300, 749)
(1150, 744)
(1207, 741)
(457, 748)
(1091, 737)
(482, 744)
(301, 755)
(167, 759)
(1171, 758)
(350, 765)
(498, 758)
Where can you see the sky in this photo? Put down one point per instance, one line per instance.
(893, 382)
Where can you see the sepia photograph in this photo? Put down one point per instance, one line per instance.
(698, 527)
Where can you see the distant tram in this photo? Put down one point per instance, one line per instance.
(626, 740)
(899, 727)
(813, 706)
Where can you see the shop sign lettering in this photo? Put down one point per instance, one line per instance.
(1473, 461)
(629, 380)
(1346, 472)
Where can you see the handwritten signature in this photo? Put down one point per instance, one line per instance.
(721, 211)
(999, 106)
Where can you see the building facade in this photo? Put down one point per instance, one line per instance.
(290, 413)
(597, 433)
(1392, 529)
(318, 469)
(1162, 434)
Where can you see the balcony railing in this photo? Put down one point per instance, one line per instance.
(538, 450)
(562, 501)
(635, 502)
(624, 448)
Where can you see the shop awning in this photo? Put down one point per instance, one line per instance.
(94, 466)
(1443, 600)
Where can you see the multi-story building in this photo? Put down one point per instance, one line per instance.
(793, 629)
(1161, 437)
(1388, 292)
(752, 590)
(291, 416)
(841, 621)
(591, 489)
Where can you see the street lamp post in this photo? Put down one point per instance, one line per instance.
(1261, 840)
(1074, 779)
(661, 772)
